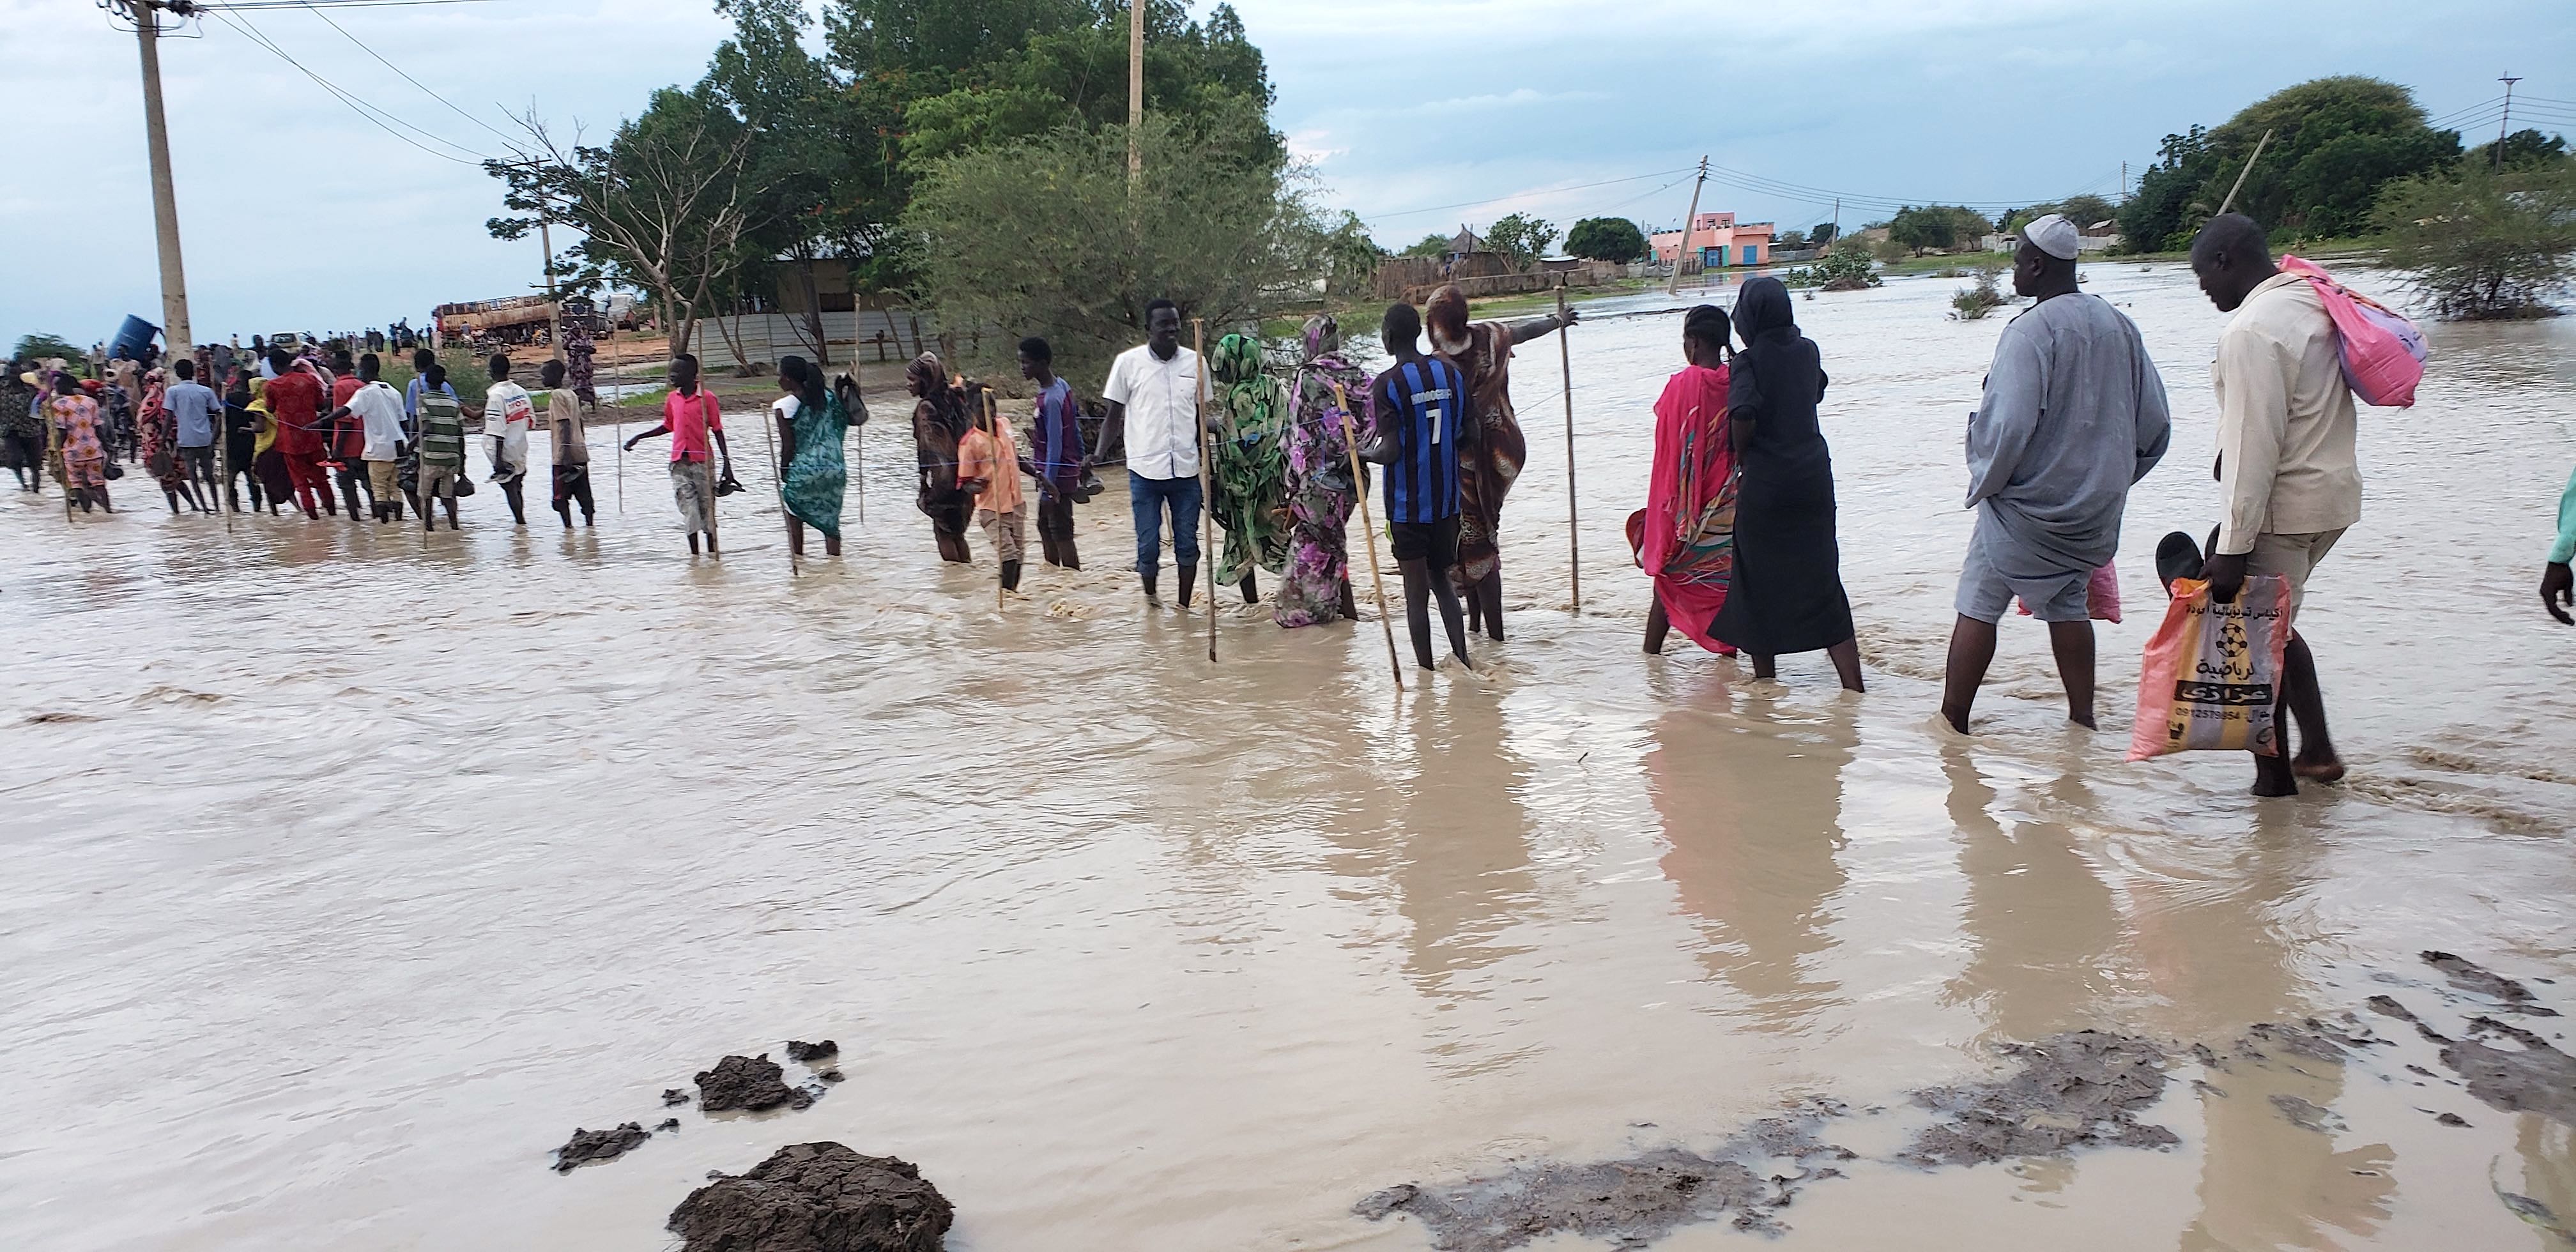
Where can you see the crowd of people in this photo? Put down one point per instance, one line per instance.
(1738, 535)
(287, 429)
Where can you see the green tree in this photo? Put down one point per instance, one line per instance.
(1934, 227)
(40, 345)
(1606, 239)
(2480, 243)
(1074, 73)
(1523, 239)
(1822, 235)
(1434, 244)
(1200, 227)
(2335, 142)
(1350, 257)
(2526, 147)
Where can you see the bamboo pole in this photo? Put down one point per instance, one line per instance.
(1573, 521)
(778, 476)
(1368, 532)
(621, 465)
(2239, 185)
(1207, 478)
(993, 445)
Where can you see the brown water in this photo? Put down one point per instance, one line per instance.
(347, 875)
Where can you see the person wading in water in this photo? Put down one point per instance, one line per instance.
(1425, 423)
(1153, 395)
(1483, 352)
(690, 416)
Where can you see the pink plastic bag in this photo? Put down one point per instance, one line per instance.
(2101, 595)
(2383, 353)
(2213, 671)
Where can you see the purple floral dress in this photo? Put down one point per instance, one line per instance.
(1321, 493)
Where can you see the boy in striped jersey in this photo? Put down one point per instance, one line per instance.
(1424, 417)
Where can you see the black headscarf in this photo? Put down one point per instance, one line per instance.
(1762, 311)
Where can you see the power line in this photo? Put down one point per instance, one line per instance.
(317, 6)
(1535, 191)
(323, 4)
(356, 105)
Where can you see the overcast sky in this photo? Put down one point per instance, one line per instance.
(300, 213)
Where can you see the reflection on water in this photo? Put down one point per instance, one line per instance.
(1754, 819)
(403, 857)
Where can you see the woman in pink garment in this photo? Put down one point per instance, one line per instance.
(1685, 536)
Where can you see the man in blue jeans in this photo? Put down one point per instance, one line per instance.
(1153, 396)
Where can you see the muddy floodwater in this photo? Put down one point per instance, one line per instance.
(347, 875)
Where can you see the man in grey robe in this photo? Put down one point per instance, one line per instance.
(2073, 414)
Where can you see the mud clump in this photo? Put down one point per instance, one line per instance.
(2079, 1089)
(801, 1051)
(816, 1197)
(2470, 977)
(673, 1095)
(586, 1146)
(747, 1082)
(2533, 1078)
(1631, 1202)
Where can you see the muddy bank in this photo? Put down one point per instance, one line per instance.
(2477, 980)
(816, 1197)
(1633, 1201)
(587, 1146)
(753, 1083)
(2080, 1089)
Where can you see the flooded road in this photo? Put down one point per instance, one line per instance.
(347, 874)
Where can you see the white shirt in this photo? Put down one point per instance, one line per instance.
(1162, 401)
(380, 412)
(2286, 427)
(507, 415)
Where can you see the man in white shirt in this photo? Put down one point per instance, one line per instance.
(508, 413)
(1153, 396)
(379, 410)
(2286, 465)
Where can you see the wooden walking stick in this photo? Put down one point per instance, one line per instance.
(621, 467)
(993, 449)
(1207, 477)
(1573, 523)
(778, 471)
(1368, 532)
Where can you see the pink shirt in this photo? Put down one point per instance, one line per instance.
(690, 418)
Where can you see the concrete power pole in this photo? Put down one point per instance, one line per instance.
(2505, 121)
(1135, 88)
(1674, 286)
(175, 330)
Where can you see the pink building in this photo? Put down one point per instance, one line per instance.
(1717, 240)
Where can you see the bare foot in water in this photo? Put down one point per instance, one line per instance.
(2323, 769)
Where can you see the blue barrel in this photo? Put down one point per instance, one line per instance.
(132, 338)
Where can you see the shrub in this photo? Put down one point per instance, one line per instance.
(1843, 270)
(1980, 297)
(2484, 244)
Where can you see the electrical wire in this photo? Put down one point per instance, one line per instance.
(316, 6)
(356, 105)
(1535, 191)
(323, 4)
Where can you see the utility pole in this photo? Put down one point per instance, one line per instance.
(1674, 287)
(554, 307)
(1135, 90)
(2507, 120)
(2124, 182)
(1838, 219)
(146, 15)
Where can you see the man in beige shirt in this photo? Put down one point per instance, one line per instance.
(2285, 460)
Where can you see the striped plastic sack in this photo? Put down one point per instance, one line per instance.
(2213, 672)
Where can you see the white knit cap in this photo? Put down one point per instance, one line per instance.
(2053, 235)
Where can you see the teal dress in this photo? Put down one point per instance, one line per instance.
(817, 477)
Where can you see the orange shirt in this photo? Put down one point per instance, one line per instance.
(975, 459)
